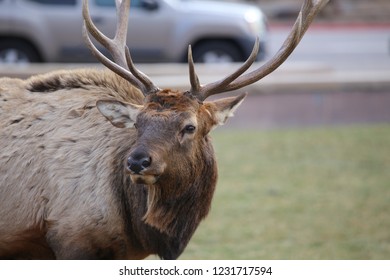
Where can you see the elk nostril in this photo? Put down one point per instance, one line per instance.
(146, 162)
(136, 165)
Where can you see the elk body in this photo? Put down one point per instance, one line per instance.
(67, 185)
(105, 165)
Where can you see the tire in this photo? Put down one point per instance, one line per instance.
(217, 51)
(17, 51)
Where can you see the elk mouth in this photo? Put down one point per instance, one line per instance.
(143, 179)
(144, 170)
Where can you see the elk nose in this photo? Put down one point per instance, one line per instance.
(138, 163)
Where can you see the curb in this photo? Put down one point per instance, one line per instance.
(290, 76)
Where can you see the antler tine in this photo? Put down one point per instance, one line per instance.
(205, 91)
(122, 65)
(306, 15)
(194, 80)
(144, 79)
(122, 14)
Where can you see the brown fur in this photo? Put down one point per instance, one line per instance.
(64, 189)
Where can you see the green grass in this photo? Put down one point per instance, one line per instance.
(299, 194)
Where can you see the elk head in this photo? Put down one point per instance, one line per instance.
(180, 120)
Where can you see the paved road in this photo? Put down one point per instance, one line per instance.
(346, 47)
(327, 56)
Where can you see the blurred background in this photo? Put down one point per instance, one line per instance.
(305, 163)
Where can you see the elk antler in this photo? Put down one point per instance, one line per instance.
(123, 64)
(237, 80)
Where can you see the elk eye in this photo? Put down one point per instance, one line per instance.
(189, 129)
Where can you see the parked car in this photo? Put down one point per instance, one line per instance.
(159, 30)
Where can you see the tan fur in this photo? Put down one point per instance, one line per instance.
(44, 155)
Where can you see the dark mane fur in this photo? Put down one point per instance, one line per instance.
(85, 79)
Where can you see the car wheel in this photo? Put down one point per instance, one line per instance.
(15, 51)
(216, 52)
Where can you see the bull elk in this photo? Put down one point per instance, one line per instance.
(76, 186)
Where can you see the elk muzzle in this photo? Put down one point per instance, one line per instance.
(143, 169)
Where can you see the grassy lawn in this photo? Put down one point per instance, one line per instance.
(299, 194)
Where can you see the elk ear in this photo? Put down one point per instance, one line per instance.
(225, 107)
(122, 115)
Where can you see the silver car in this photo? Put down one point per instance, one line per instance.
(159, 30)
